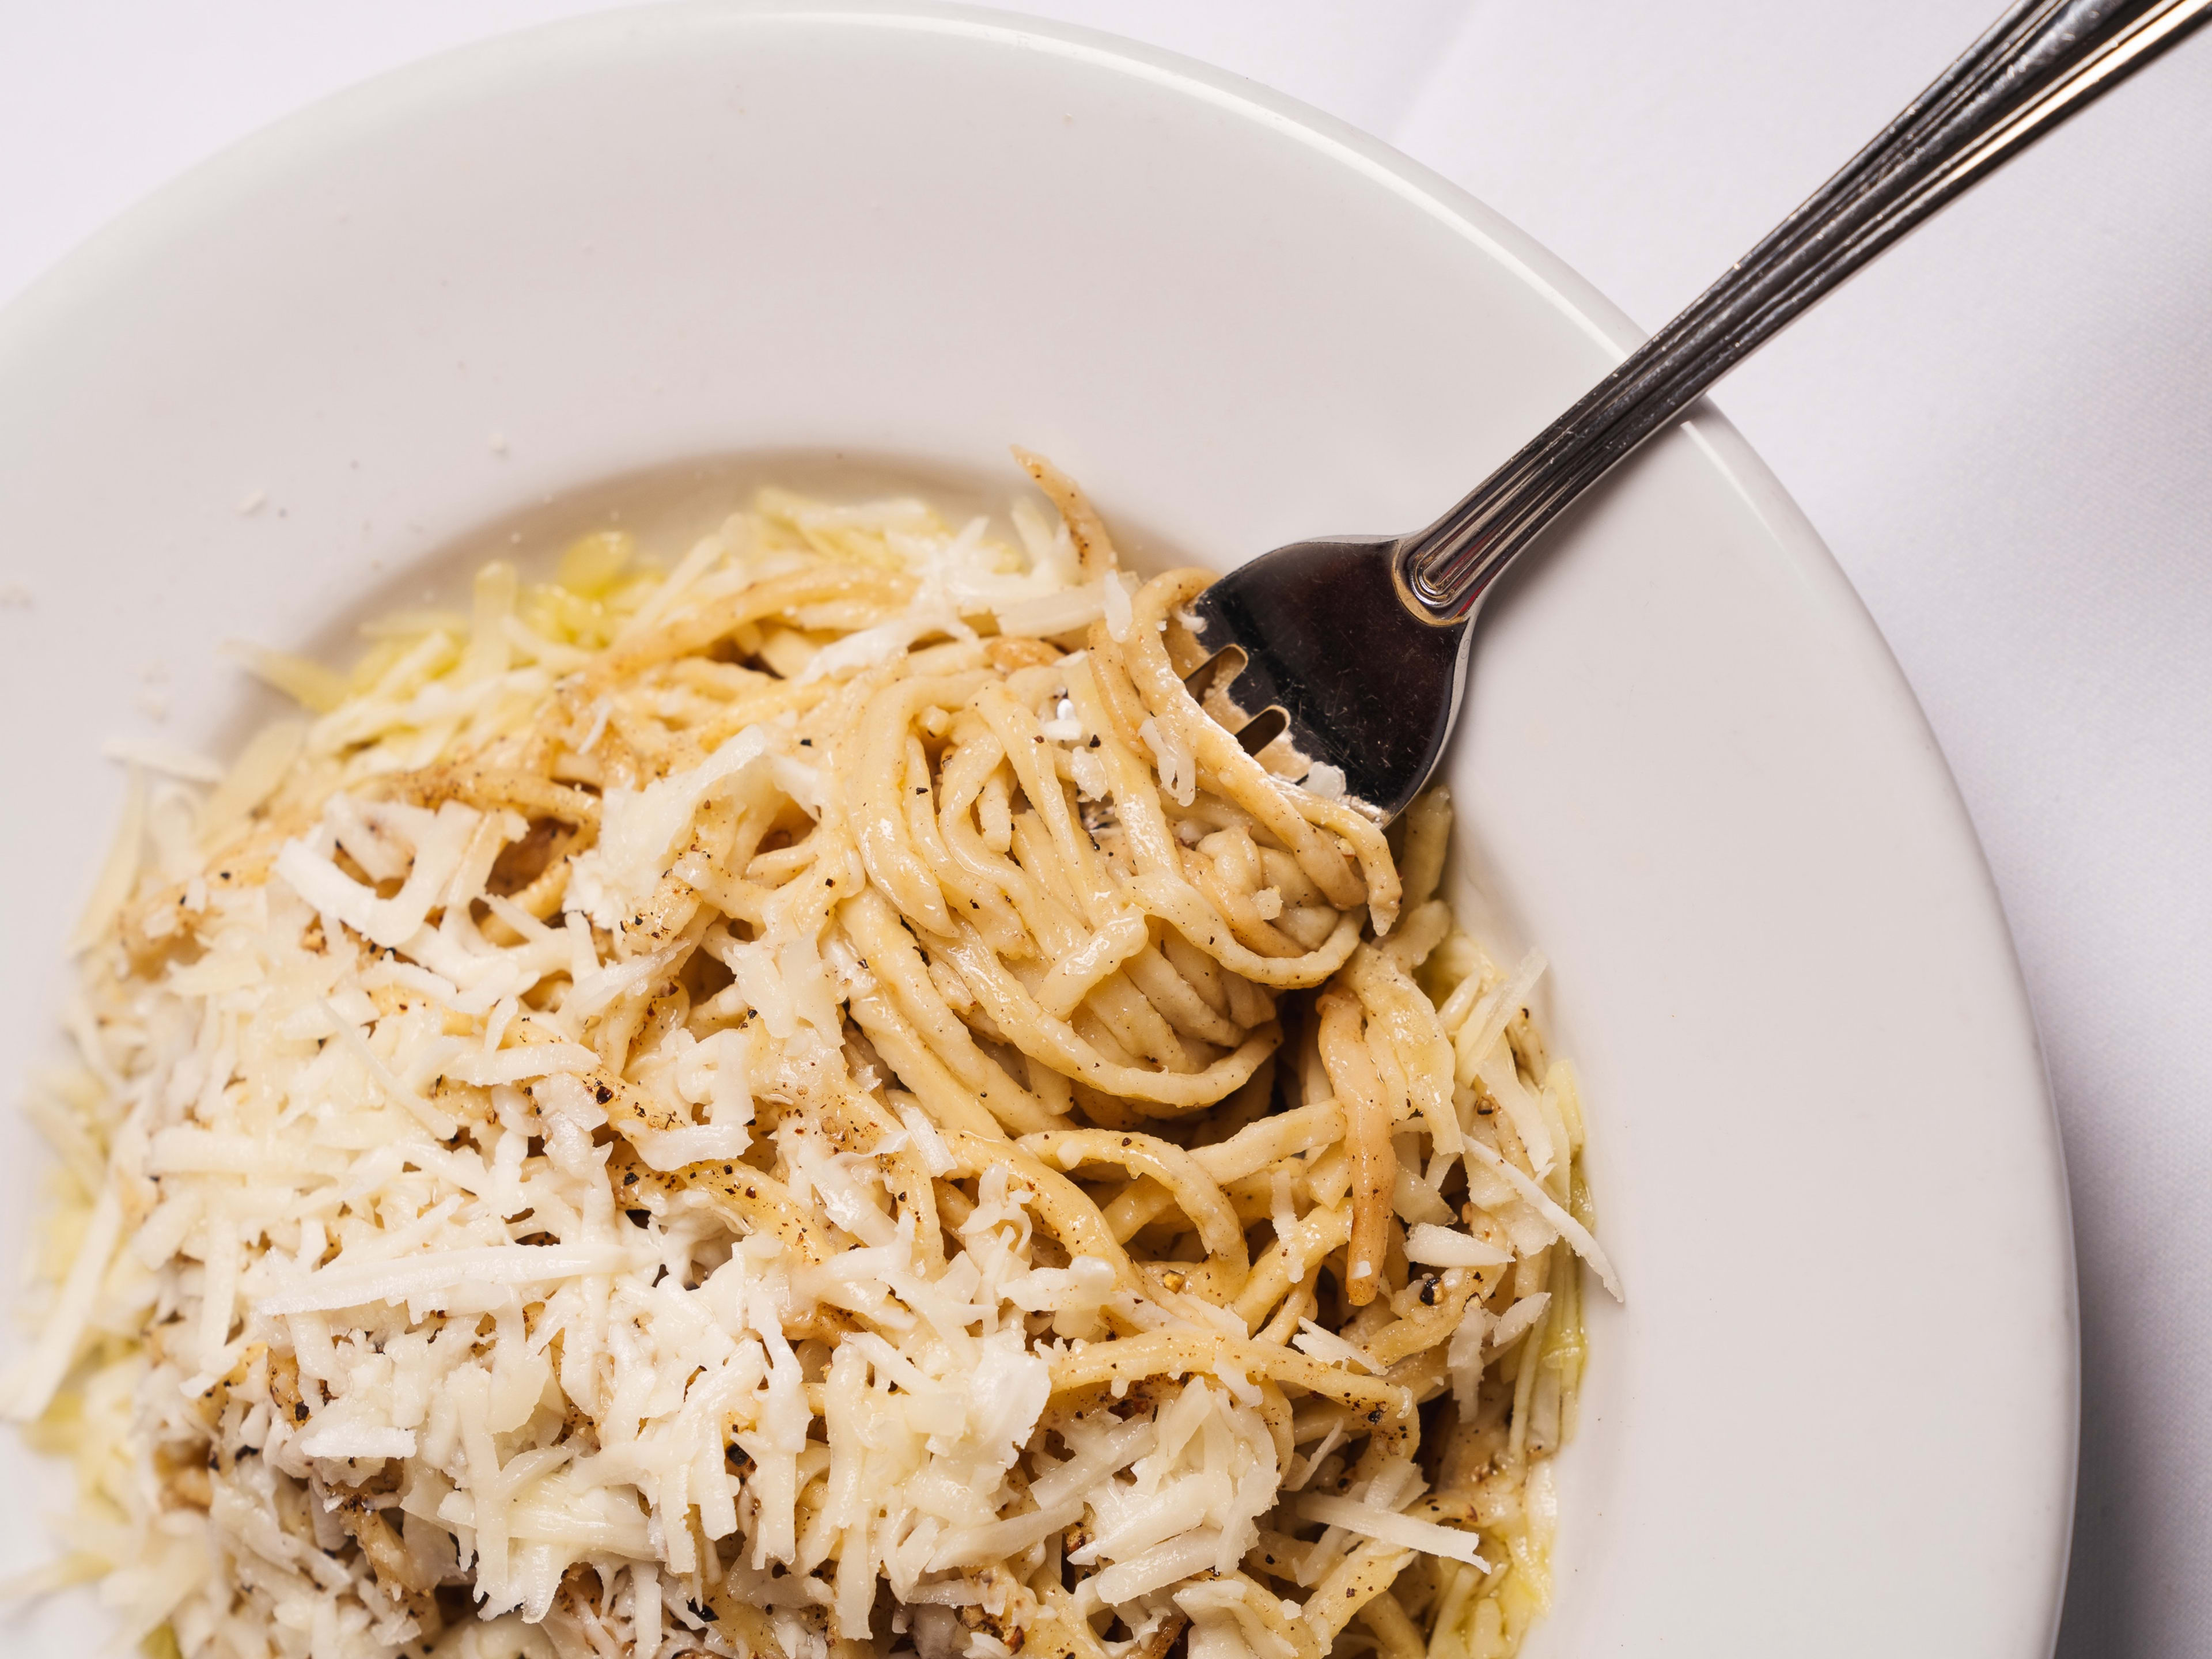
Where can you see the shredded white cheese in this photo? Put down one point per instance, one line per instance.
(742, 1113)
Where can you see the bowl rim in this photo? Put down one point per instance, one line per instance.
(202, 188)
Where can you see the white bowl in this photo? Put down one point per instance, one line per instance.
(1837, 1413)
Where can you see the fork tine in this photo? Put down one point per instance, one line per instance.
(1368, 690)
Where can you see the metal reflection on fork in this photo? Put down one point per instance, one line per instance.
(1352, 651)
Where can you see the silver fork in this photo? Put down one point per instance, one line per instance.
(1354, 649)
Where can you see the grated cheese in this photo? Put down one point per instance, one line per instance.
(1442, 1247)
(1387, 1526)
(692, 1109)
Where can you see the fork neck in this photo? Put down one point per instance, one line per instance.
(2039, 63)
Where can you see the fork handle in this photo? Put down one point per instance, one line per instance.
(2037, 65)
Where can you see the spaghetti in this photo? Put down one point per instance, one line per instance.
(812, 1104)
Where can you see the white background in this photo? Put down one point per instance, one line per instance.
(2004, 431)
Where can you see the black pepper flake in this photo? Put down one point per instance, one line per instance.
(298, 1410)
(605, 1093)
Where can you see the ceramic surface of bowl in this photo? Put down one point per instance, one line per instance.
(641, 259)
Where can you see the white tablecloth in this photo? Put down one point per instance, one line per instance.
(2004, 430)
